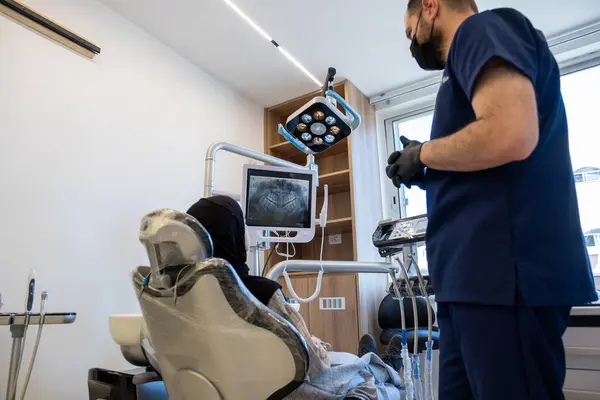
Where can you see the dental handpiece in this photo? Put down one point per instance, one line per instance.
(417, 388)
(424, 293)
(30, 291)
(406, 365)
(411, 294)
(37, 343)
(401, 303)
(29, 299)
(429, 345)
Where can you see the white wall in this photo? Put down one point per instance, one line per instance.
(87, 148)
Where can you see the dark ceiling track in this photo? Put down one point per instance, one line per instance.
(48, 24)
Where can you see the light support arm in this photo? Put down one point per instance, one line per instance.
(211, 156)
(353, 118)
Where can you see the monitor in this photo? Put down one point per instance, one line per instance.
(280, 199)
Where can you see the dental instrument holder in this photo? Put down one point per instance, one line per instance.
(397, 240)
(17, 323)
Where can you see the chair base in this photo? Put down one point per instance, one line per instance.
(114, 385)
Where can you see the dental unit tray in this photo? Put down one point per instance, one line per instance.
(19, 322)
(319, 124)
(391, 236)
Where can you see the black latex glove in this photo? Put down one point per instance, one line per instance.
(405, 167)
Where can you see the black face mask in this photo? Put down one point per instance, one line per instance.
(426, 54)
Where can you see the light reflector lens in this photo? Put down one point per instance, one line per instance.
(329, 138)
(330, 120)
(306, 136)
(319, 115)
(335, 130)
(307, 119)
(318, 140)
(301, 127)
(318, 128)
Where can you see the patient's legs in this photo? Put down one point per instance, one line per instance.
(392, 355)
(367, 345)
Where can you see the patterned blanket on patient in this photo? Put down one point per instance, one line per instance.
(366, 378)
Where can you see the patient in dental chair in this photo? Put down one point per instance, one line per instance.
(331, 375)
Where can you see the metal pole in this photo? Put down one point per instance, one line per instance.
(330, 266)
(211, 154)
(15, 355)
(256, 259)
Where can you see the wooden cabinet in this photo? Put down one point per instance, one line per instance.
(341, 328)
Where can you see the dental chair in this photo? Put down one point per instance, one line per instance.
(204, 333)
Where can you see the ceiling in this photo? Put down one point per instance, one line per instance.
(363, 39)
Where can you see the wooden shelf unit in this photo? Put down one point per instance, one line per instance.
(340, 328)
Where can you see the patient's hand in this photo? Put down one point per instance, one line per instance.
(322, 348)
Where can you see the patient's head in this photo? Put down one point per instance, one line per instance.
(223, 218)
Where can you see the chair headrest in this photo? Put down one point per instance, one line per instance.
(173, 238)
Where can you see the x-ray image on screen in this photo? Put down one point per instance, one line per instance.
(278, 199)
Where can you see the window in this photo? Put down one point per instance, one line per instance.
(412, 201)
(581, 92)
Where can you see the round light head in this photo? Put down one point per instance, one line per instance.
(329, 138)
(319, 115)
(301, 127)
(307, 119)
(318, 128)
(330, 120)
(318, 140)
(334, 130)
(306, 136)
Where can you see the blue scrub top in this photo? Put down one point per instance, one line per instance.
(515, 227)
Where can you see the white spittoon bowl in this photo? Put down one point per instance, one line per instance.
(126, 329)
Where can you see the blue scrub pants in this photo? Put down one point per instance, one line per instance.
(501, 352)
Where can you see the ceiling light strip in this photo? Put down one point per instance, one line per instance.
(248, 20)
(264, 34)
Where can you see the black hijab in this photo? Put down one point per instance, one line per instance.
(223, 218)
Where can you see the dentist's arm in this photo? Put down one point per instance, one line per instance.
(506, 128)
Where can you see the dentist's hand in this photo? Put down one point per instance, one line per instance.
(405, 167)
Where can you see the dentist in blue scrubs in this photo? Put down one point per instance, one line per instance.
(504, 242)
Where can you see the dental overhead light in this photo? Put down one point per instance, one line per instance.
(264, 34)
(319, 124)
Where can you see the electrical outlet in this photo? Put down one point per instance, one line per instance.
(335, 239)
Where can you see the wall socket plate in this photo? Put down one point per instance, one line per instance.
(335, 239)
(332, 303)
